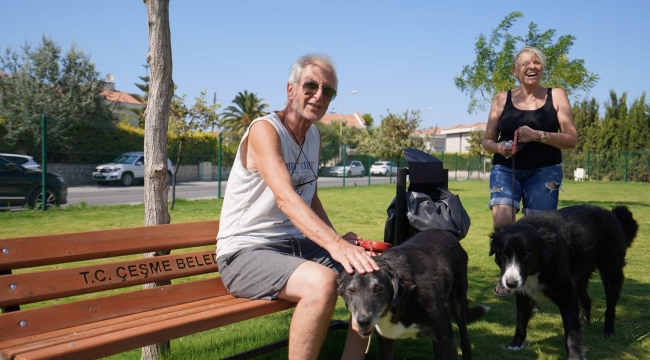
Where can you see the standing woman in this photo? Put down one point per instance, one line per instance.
(545, 125)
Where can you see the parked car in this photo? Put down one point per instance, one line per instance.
(351, 168)
(383, 168)
(20, 186)
(25, 161)
(126, 169)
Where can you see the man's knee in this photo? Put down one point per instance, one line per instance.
(313, 281)
(324, 284)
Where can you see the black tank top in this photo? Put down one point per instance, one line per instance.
(534, 154)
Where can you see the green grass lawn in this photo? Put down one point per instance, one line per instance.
(363, 210)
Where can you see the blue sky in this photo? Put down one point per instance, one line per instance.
(398, 55)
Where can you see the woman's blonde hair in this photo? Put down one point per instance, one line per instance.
(530, 51)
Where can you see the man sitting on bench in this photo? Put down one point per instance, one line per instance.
(275, 239)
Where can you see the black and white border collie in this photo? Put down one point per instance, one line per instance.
(554, 253)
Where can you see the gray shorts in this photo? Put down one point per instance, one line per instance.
(260, 271)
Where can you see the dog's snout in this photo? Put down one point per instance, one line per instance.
(512, 283)
(364, 321)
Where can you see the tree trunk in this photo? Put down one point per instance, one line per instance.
(161, 90)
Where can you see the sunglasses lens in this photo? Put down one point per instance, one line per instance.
(310, 87)
(329, 93)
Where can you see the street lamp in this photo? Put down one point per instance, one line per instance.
(341, 127)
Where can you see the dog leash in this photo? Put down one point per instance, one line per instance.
(374, 246)
(515, 145)
(512, 191)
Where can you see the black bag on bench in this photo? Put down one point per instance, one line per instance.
(439, 210)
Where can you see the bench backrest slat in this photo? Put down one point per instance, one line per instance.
(44, 319)
(25, 288)
(33, 251)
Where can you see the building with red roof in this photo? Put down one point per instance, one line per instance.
(124, 103)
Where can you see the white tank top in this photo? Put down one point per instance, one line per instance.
(250, 213)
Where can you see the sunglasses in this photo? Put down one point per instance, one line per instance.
(310, 88)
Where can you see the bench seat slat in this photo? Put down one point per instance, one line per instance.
(33, 251)
(45, 319)
(146, 328)
(53, 284)
(103, 327)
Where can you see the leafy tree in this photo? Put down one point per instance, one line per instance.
(184, 121)
(247, 108)
(491, 71)
(475, 139)
(64, 87)
(329, 141)
(639, 125)
(352, 136)
(613, 126)
(396, 133)
(333, 134)
(367, 118)
(587, 120)
(475, 148)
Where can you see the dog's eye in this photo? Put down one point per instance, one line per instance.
(378, 289)
(352, 290)
(525, 256)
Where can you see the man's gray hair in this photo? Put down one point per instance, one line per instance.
(296, 69)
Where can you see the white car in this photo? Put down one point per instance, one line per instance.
(25, 161)
(126, 169)
(385, 168)
(351, 168)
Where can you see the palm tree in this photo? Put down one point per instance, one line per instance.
(248, 107)
(142, 98)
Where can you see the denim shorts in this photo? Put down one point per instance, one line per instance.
(260, 271)
(537, 189)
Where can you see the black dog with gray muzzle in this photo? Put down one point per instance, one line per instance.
(421, 286)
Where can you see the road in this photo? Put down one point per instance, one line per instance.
(113, 195)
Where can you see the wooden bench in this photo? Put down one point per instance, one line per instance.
(101, 324)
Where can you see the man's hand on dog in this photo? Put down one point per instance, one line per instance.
(352, 257)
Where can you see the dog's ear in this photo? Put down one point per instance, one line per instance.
(398, 290)
(398, 287)
(494, 245)
(494, 248)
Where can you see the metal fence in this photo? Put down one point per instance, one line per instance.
(211, 170)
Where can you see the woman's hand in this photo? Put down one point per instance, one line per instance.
(526, 134)
(505, 148)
